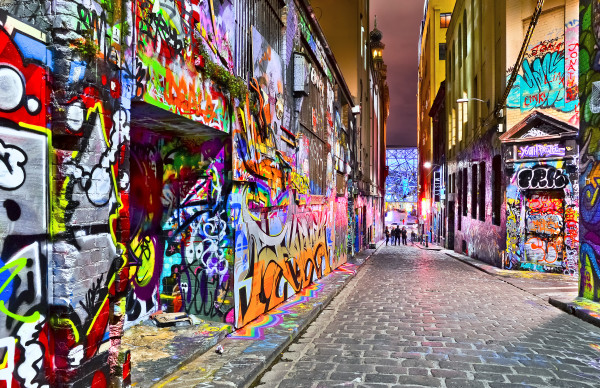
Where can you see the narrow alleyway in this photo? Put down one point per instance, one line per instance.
(420, 318)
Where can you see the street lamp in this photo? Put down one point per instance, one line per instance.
(467, 99)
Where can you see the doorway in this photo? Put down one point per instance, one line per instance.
(451, 216)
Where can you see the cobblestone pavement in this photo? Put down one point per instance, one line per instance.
(420, 318)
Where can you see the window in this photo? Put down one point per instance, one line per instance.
(268, 21)
(465, 118)
(453, 72)
(463, 121)
(445, 20)
(454, 183)
(476, 123)
(453, 124)
(464, 34)
(465, 188)
(482, 191)
(496, 189)
(442, 51)
(474, 182)
(460, 47)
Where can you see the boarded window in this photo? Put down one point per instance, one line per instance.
(474, 184)
(496, 189)
(460, 202)
(465, 189)
(482, 183)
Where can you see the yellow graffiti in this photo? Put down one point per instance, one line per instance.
(62, 322)
(144, 251)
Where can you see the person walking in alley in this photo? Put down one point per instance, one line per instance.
(404, 235)
(397, 234)
(387, 235)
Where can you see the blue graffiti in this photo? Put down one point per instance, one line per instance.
(542, 85)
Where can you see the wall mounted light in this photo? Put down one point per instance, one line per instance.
(463, 100)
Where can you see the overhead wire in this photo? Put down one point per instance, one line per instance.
(514, 74)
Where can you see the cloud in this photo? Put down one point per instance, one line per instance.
(399, 21)
(12, 170)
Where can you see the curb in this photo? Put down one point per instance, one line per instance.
(573, 309)
(559, 304)
(468, 262)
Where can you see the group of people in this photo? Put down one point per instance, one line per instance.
(396, 234)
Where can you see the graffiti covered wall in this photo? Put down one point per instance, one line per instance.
(548, 79)
(589, 163)
(284, 235)
(140, 172)
(542, 204)
(64, 137)
(181, 241)
(478, 238)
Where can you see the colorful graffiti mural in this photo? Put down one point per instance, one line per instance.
(589, 136)
(139, 172)
(548, 79)
(542, 227)
(63, 203)
(181, 48)
(180, 234)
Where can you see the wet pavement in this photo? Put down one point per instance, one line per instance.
(156, 352)
(415, 317)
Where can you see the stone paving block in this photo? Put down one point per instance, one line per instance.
(448, 373)
(487, 376)
(381, 378)
(420, 380)
(418, 372)
(462, 383)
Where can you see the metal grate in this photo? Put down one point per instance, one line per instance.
(266, 17)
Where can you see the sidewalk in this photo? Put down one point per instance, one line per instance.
(186, 356)
(559, 290)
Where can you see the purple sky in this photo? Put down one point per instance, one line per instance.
(399, 22)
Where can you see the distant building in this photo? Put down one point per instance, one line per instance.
(401, 184)
(359, 55)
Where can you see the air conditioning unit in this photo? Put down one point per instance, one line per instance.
(300, 75)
